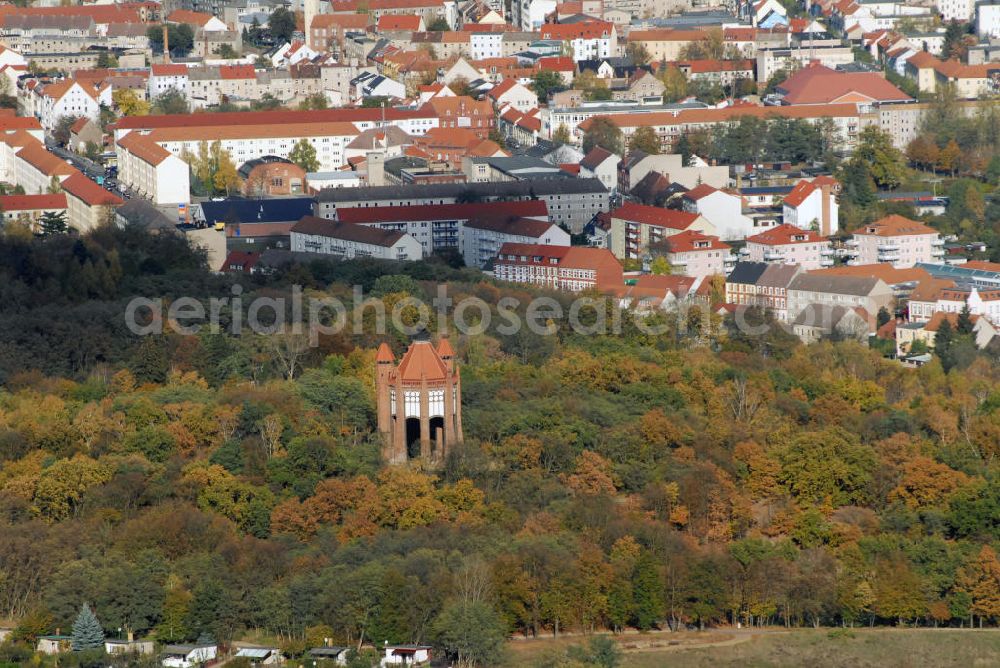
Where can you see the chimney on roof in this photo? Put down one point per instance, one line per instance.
(166, 45)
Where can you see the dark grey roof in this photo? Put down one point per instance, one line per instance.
(362, 234)
(779, 275)
(834, 284)
(277, 210)
(524, 227)
(185, 649)
(141, 212)
(451, 190)
(525, 166)
(248, 166)
(747, 273)
(327, 651)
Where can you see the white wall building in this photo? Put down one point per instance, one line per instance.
(348, 241)
(692, 253)
(164, 76)
(152, 171)
(722, 209)
(481, 238)
(813, 205)
(787, 244)
(898, 241)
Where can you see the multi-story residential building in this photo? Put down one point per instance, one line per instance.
(37, 170)
(896, 240)
(587, 39)
(348, 241)
(967, 81)
(691, 253)
(812, 205)
(671, 125)
(787, 244)
(602, 165)
(870, 294)
(511, 93)
(988, 19)
(439, 226)
(634, 227)
(482, 236)
(28, 209)
(166, 76)
(571, 203)
(50, 102)
(762, 285)
(152, 171)
(570, 268)
(724, 210)
(637, 164)
(723, 72)
(666, 43)
(88, 205)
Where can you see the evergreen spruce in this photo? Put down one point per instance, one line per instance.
(87, 631)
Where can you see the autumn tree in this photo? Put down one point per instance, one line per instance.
(303, 154)
(129, 103)
(604, 133)
(980, 578)
(646, 140)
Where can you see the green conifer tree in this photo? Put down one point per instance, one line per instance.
(87, 631)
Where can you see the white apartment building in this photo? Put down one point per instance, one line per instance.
(486, 45)
(348, 241)
(164, 76)
(482, 238)
(152, 171)
(246, 142)
(812, 205)
(722, 209)
(787, 244)
(67, 98)
(896, 240)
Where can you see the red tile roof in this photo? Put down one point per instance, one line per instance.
(32, 202)
(653, 215)
(168, 70)
(895, 226)
(144, 148)
(410, 22)
(818, 84)
(582, 30)
(699, 191)
(421, 362)
(92, 194)
(784, 235)
(726, 114)
(690, 241)
(205, 119)
(49, 164)
(186, 16)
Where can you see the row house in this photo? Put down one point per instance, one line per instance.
(37, 170)
(327, 31)
(640, 86)
(634, 227)
(896, 240)
(428, 10)
(523, 128)
(666, 43)
(937, 295)
(16, 132)
(569, 268)
(787, 244)
(761, 285)
(983, 331)
(164, 77)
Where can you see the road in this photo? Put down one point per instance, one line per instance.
(90, 168)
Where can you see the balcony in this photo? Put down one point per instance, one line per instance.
(827, 252)
(888, 257)
(888, 248)
(937, 252)
(826, 262)
(744, 251)
(851, 243)
(939, 243)
(772, 256)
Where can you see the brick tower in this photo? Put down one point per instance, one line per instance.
(419, 401)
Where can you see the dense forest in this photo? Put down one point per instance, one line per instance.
(201, 486)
